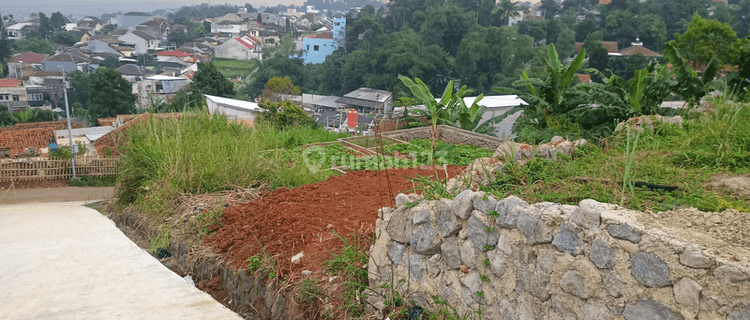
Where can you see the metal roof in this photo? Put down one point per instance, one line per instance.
(502, 101)
(91, 133)
(365, 97)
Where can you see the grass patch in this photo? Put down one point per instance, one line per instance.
(159, 241)
(100, 181)
(231, 68)
(351, 265)
(686, 157)
(202, 153)
(460, 154)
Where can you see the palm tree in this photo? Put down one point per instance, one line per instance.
(508, 9)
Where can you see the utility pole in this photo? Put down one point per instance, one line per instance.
(67, 114)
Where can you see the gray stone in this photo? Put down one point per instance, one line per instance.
(613, 284)
(497, 261)
(687, 292)
(741, 314)
(617, 310)
(451, 255)
(463, 204)
(623, 231)
(649, 270)
(595, 311)
(730, 273)
(420, 217)
(433, 265)
(416, 270)
(588, 214)
(538, 285)
(694, 258)
(396, 252)
(574, 283)
(567, 240)
(472, 281)
(479, 233)
(279, 308)
(602, 255)
(503, 245)
(650, 309)
(306, 272)
(402, 200)
(446, 220)
(426, 240)
(508, 211)
(468, 254)
(535, 229)
(484, 205)
(400, 226)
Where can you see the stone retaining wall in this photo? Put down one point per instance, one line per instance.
(448, 134)
(512, 260)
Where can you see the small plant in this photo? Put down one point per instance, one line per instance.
(489, 229)
(493, 213)
(486, 262)
(412, 204)
(484, 278)
(629, 155)
(432, 189)
(159, 241)
(254, 263)
(488, 247)
(310, 291)
(351, 265)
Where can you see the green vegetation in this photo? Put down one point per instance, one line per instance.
(684, 157)
(202, 153)
(159, 241)
(231, 68)
(462, 154)
(351, 265)
(310, 292)
(101, 181)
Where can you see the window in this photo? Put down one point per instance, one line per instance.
(4, 96)
(337, 24)
(36, 96)
(308, 47)
(16, 97)
(316, 47)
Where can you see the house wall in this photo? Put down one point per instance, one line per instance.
(7, 96)
(127, 21)
(141, 46)
(233, 29)
(512, 260)
(234, 50)
(326, 47)
(339, 31)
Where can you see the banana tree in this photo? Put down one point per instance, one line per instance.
(468, 117)
(438, 111)
(690, 85)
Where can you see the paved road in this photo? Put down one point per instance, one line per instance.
(65, 261)
(10, 196)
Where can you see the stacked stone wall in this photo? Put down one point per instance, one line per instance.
(512, 260)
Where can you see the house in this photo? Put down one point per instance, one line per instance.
(316, 48)
(164, 55)
(71, 59)
(25, 142)
(611, 46)
(13, 94)
(86, 136)
(233, 109)
(367, 100)
(19, 30)
(242, 48)
(230, 24)
(639, 49)
(142, 42)
(89, 23)
(339, 31)
(268, 18)
(22, 61)
(118, 32)
(157, 87)
(132, 19)
(157, 27)
(133, 72)
(99, 46)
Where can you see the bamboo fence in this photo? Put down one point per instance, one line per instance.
(57, 169)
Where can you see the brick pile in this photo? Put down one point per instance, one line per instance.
(20, 140)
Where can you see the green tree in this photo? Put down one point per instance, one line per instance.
(507, 9)
(110, 94)
(178, 36)
(110, 62)
(109, 28)
(57, 21)
(598, 55)
(566, 42)
(285, 114)
(279, 89)
(5, 49)
(35, 45)
(6, 119)
(445, 25)
(64, 38)
(356, 66)
(534, 28)
(208, 80)
(45, 26)
(274, 67)
(705, 39)
(81, 83)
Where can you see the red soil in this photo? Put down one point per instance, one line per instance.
(289, 221)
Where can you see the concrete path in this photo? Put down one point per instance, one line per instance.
(65, 261)
(10, 196)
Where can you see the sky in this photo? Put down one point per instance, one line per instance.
(80, 8)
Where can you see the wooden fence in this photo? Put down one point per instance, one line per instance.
(57, 169)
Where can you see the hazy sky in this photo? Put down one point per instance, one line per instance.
(22, 8)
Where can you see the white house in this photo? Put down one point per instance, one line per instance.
(142, 41)
(233, 109)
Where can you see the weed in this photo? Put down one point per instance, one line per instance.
(310, 291)
(412, 204)
(432, 188)
(488, 247)
(253, 263)
(351, 264)
(493, 213)
(484, 278)
(159, 241)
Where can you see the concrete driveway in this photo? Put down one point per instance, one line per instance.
(66, 261)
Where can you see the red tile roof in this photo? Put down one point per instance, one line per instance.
(249, 46)
(322, 36)
(585, 78)
(20, 140)
(9, 83)
(611, 46)
(629, 51)
(29, 57)
(172, 53)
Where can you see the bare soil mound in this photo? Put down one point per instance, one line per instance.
(289, 221)
(730, 225)
(737, 185)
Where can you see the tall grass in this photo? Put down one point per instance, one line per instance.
(201, 153)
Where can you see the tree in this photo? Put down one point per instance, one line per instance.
(285, 114)
(5, 49)
(178, 36)
(57, 21)
(110, 62)
(566, 43)
(507, 9)
(35, 45)
(109, 28)
(598, 55)
(207, 26)
(534, 28)
(110, 94)
(705, 39)
(445, 25)
(279, 89)
(549, 8)
(45, 26)
(208, 80)
(64, 38)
